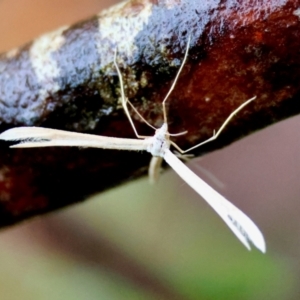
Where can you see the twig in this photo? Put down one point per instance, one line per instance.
(67, 80)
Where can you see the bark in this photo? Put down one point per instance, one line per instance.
(67, 80)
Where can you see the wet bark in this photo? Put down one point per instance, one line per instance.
(67, 80)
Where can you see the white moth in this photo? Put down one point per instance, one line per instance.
(159, 146)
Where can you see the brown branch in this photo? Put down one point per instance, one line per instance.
(238, 50)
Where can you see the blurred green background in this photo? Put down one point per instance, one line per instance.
(158, 242)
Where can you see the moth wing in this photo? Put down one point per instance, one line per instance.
(33, 137)
(241, 225)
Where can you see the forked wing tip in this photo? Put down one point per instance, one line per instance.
(6, 136)
(20, 145)
(16, 134)
(257, 240)
(253, 238)
(248, 242)
(261, 245)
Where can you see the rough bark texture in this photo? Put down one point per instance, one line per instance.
(67, 80)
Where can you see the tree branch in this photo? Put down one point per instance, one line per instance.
(67, 80)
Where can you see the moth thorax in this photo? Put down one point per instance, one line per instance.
(160, 141)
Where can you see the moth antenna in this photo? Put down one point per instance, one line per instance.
(176, 79)
(123, 97)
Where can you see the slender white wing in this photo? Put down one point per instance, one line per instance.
(31, 137)
(241, 225)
